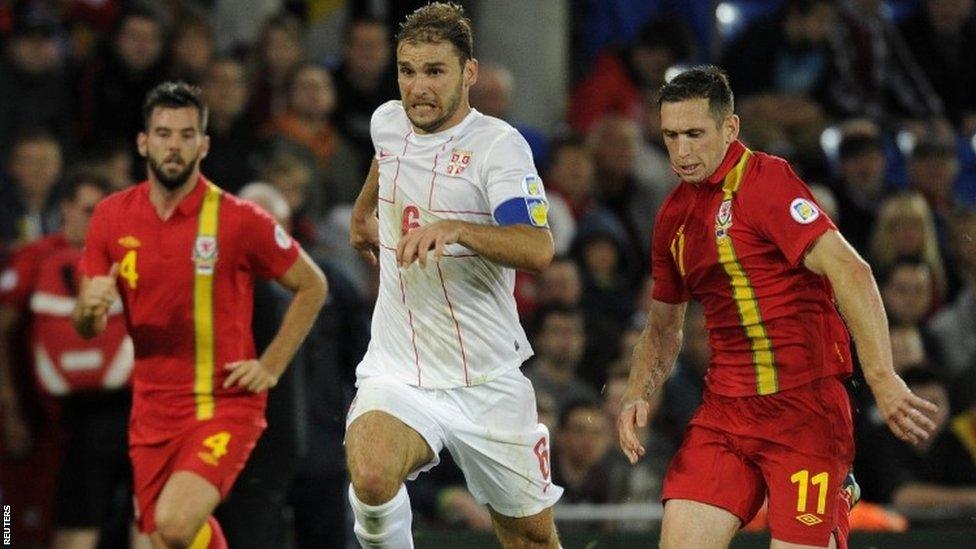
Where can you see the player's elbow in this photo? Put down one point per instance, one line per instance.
(542, 254)
(317, 289)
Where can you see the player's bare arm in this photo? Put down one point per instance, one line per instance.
(364, 232)
(652, 360)
(907, 415)
(518, 246)
(96, 295)
(307, 281)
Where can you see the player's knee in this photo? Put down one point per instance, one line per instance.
(530, 536)
(176, 530)
(374, 485)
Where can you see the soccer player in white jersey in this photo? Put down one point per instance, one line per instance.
(451, 206)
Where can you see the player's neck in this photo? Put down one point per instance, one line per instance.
(165, 201)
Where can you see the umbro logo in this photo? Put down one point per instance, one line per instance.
(809, 519)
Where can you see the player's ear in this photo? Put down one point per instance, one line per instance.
(731, 128)
(205, 147)
(470, 72)
(142, 143)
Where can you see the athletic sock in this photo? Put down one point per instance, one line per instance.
(210, 536)
(384, 526)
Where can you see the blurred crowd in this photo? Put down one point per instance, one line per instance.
(874, 107)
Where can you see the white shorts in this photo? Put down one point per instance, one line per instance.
(492, 430)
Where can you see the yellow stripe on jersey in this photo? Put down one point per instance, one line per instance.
(205, 257)
(743, 294)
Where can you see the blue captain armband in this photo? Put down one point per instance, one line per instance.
(523, 210)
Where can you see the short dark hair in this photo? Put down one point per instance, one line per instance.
(439, 22)
(367, 20)
(174, 95)
(701, 82)
(565, 141)
(858, 144)
(84, 177)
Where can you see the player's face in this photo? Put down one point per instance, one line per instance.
(173, 145)
(696, 141)
(77, 213)
(434, 84)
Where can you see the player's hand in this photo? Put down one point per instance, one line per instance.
(634, 414)
(417, 242)
(364, 235)
(100, 293)
(250, 375)
(908, 416)
(16, 434)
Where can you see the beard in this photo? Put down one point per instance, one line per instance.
(452, 107)
(174, 181)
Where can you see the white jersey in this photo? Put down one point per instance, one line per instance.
(453, 324)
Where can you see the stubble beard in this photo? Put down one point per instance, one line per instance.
(436, 124)
(171, 182)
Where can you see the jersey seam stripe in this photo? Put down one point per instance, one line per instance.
(457, 326)
(744, 296)
(413, 333)
(397, 173)
(433, 170)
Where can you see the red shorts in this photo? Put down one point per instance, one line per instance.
(215, 449)
(794, 447)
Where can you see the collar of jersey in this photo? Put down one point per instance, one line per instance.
(732, 156)
(444, 134)
(191, 202)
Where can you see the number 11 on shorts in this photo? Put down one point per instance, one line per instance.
(803, 480)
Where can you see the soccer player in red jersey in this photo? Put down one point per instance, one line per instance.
(742, 234)
(182, 256)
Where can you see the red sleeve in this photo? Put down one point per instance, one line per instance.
(668, 285)
(17, 280)
(785, 211)
(95, 260)
(269, 248)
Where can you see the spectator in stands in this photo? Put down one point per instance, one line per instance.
(860, 184)
(653, 164)
(305, 129)
(619, 78)
(92, 402)
(279, 51)
(683, 390)
(614, 141)
(781, 67)
(292, 177)
(492, 95)
(579, 452)
(876, 75)
(364, 80)
(932, 171)
(234, 141)
(32, 82)
(112, 158)
(608, 267)
(942, 37)
(938, 473)
(192, 49)
(905, 228)
(907, 291)
(560, 283)
(558, 341)
(571, 173)
(114, 83)
(28, 195)
(953, 327)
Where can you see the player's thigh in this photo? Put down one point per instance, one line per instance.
(187, 500)
(777, 544)
(377, 443)
(76, 538)
(689, 523)
(535, 530)
(494, 435)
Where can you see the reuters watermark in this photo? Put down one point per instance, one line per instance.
(6, 526)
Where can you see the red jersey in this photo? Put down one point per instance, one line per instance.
(736, 244)
(43, 279)
(187, 287)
